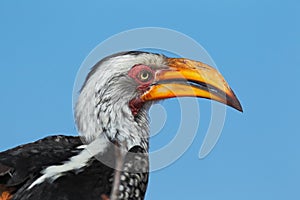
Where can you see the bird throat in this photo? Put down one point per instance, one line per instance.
(135, 105)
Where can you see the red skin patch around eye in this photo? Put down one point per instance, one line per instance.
(136, 104)
(136, 70)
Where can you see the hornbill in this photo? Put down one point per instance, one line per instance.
(112, 119)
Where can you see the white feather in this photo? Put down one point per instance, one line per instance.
(98, 146)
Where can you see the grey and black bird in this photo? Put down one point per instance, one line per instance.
(112, 119)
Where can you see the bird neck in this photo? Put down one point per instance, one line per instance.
(98, 116)
(122, 127)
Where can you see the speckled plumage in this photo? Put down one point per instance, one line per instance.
(27, 161)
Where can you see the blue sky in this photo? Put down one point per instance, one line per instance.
(255, 45)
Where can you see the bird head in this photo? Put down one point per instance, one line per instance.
(119, 90)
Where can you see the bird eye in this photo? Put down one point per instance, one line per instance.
(144, 75)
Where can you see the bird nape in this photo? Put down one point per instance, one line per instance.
(110, 157)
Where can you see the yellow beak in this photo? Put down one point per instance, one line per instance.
(187, 78)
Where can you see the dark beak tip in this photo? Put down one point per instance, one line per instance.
(234, 102)
(239, 108)
(236, 105)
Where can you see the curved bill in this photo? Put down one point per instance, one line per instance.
(187, 78)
